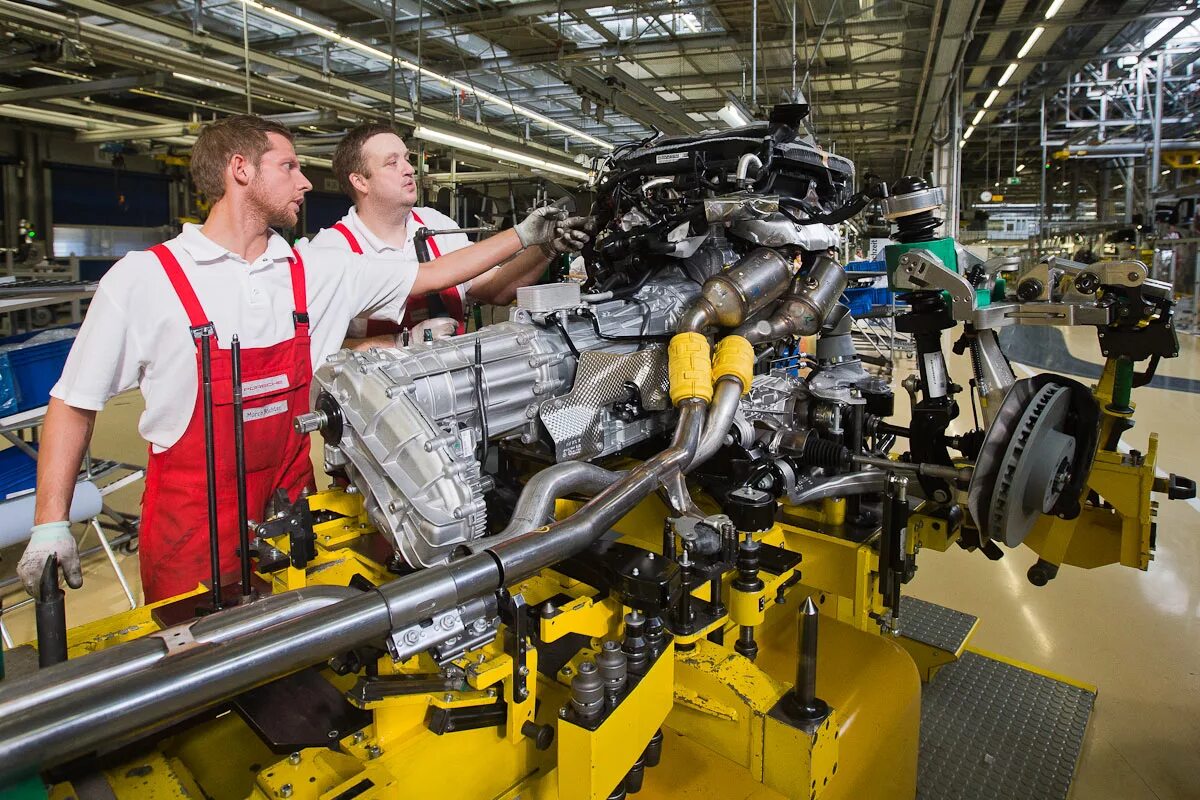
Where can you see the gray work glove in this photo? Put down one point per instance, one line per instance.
(540, 226)
(570, 236)
(50, 538)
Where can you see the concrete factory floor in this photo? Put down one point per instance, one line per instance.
(1135, 635)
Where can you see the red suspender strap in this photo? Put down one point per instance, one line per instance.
(433, 248)
(201, 325)
(299, 290)
(341, 228)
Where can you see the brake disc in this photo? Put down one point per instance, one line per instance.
(1035, 469)
(1030, 458)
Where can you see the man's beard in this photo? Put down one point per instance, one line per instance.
(277, 215)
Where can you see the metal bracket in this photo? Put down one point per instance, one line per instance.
(921, 270)
(297, 523)
(674, 488)
(1061, 314)
(1110, 273)
(201, 331)
(516, 642)
(177, 639)
(414, 639)
(448, 634)
(997, 264)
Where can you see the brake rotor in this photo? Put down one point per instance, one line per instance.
(1026, 464)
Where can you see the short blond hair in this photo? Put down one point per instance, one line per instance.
(242, 134)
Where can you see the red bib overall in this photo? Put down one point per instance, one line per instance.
(417, 308)
(174, 533)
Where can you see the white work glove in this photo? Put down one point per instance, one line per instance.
(50, 538)
(540, 226)
(570, 236)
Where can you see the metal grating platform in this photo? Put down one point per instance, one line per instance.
(993, 731)
(934, 625)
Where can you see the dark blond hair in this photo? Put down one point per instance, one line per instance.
(244, 135)
(348, 157)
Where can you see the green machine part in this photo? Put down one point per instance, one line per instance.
(30, 788)
(944, 250)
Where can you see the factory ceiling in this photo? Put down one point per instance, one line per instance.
(557, 82)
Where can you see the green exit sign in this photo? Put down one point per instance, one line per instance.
(1014, 181)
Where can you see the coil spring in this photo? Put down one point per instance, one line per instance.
(916, 227)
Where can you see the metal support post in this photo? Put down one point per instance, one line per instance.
(1042, 172)
(210, 464)
(754, 54)
(802, 702)
(112, 559)
(239, 457)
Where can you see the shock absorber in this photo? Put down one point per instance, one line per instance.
(911, 208)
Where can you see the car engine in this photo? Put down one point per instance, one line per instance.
(730, 222)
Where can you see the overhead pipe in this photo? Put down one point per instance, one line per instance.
(1156, 150)
(1126, 149)
(754, 53)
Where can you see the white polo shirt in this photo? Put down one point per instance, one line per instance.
(136, 332)
(372, 245)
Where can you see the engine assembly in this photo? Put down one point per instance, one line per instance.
(602, 534)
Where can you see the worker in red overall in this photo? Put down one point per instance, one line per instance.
(234, 275)
(372, 166)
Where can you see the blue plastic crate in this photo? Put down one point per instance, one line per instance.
(30, 372)
(18, 472)
(859, 300)
(866, 266)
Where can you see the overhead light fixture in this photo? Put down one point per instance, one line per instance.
(1033, 37)
(1020, 167)
(1008, 73)
(362, 47)
(734, 113)
(1053, 9)
(58, 73)
(978, 117)
(183, 76)
(483, 148)
(991, 98)
(968, 132)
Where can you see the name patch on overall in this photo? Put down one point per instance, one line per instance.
(262, 412)
(264, 385)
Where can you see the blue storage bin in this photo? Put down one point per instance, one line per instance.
(18, 472)
(31, 371)
(866, 266)
(859, 300)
